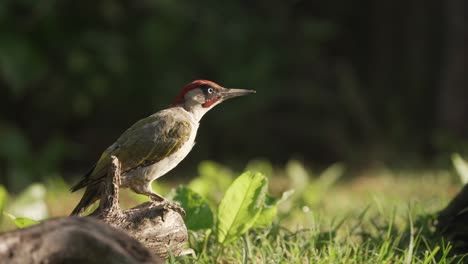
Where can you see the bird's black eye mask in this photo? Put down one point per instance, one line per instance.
(211, 95)
(209, 92)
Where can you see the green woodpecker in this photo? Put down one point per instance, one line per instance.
(155, 144)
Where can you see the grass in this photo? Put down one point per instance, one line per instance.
(378, 217)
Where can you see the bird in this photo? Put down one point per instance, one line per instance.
(154, 145)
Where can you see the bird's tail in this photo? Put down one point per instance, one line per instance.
(91, 195)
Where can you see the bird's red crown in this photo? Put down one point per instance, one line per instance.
(190, 86)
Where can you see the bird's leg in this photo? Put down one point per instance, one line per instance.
(162, 202)
(155, 197)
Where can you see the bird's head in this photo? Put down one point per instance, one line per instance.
(199, 96)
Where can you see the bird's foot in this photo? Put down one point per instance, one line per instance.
(165, 204)
(171, 205)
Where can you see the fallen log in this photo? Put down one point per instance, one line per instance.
(452, 221)
(143, 234)
(72, 240)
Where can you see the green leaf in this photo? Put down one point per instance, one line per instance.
(461, 166)
(269, 212)
(270, 209)
(241, 206)
(21, 222)
(199, 214)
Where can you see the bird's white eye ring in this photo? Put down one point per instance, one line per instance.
(210, 90)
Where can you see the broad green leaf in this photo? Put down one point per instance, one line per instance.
(270, 209)
(21, 222)
(241, 206)
(269, 212)
(199, 214)
(461, 166)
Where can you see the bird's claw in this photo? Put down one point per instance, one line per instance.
(170, 205)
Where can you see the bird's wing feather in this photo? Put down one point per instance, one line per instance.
(146, 142)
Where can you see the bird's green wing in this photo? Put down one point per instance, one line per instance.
(146, 142)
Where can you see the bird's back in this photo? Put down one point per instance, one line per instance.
(164, 137)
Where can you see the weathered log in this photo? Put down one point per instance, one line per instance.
(72, 240)
(452, 221)
(157, 226)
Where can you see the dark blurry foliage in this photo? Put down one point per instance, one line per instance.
(357, 81)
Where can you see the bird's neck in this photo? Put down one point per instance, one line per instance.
(197, 111)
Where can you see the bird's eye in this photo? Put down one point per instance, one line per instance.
(210, 90)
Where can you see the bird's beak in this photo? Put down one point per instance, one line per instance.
(231, 93)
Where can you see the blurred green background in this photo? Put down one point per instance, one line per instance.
(363, 82)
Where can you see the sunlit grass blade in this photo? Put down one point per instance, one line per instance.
(21, 222)
(3, 197)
